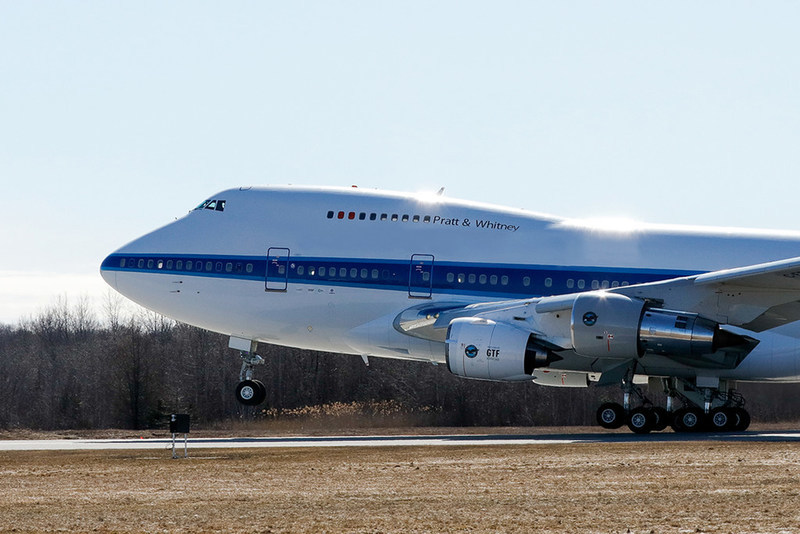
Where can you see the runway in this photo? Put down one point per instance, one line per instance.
(390, 441)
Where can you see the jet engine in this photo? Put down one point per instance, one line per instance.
(488, 350)
(607, 325)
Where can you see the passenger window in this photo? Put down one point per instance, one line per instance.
(364, 273)
(614, 284)
(416, 218)
(472, 278)
(330, 215)
(394, 217)
(219, 266)
(351, 215)
(169, 265)
(160, 264)
(122, 262)
(340, 215)
(461, 278)
(482, 279)
(362, 216)
(384, 216)
(238, 268)
(321, 271)
(604, 284)
(504, 281)
(581, 284)
(189, 265)
(301, 270)
(385, 274)
(405, 218)
(150, 264)
(374, 274)
(228, 267)
(526, 281)
(179, 265)
(595, 284)
(426, 219)
(624, 284)
(570, 283)
(450, 277)
(249, 268)
(209, 266)
(426, 276)
(548, 282)
(373, 216)
(493, 280)
(353, 272)
(312, 270)
(343, 272)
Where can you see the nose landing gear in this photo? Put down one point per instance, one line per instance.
(250, 392)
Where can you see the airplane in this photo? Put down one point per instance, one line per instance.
(491, 292)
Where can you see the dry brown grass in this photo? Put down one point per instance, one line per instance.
(641, 487)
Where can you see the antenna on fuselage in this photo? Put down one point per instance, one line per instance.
(440, 193)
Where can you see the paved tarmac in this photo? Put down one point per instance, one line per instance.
(389, 441)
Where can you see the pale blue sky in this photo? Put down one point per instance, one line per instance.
(116, 118)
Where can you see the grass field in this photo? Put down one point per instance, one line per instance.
(617, 487)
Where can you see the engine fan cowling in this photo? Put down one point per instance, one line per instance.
(488, 350)
(606, 325)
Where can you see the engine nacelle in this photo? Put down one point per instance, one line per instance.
(484, 349)
(607, 325)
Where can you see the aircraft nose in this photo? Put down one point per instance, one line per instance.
(108, 273)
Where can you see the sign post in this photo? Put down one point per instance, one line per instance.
(179, 424)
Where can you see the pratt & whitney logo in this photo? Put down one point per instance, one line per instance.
(589, 318)
(471, 351)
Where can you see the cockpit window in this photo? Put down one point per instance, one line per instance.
(214, 205)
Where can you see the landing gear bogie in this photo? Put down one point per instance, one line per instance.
(742, 421)
(710, 407)
(661, 418)
(642, 420)
(689, 419)
(722, 419)
(610, 415)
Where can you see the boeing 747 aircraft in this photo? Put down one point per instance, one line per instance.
(494, 293)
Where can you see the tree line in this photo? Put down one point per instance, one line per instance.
(66, 369)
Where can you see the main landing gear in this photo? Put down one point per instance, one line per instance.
(708, 405)
(250, 392)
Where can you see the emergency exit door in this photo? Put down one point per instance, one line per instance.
(277, 277)
(420, 276)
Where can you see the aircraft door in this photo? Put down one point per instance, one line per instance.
(420, 276)
(277, 277)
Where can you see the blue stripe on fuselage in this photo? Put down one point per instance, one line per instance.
(474, 279)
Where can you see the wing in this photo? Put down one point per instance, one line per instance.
(756, 298)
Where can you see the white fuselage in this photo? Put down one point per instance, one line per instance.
(330, 269)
